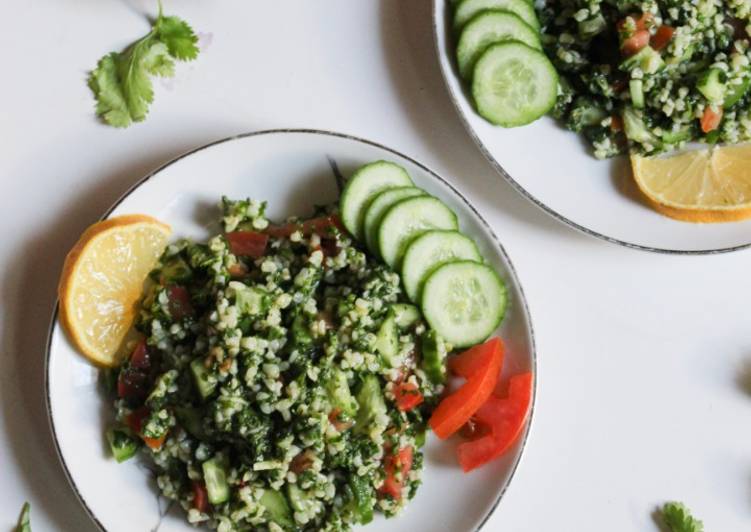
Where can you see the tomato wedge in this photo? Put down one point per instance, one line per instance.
(247, 243)
(711, 119)
(456, 409)
(200, 496)
(505, 417)
(470, 361)
(407, 396)
(399, 463)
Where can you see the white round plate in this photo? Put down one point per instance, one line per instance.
(292, 170)
(554, 169)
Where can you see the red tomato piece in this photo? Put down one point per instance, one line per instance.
(132, 384)
(396, 466)
(407, 396)
(505, 417)
(320, 226)
(247, 243)
(179, 302)
(200, 497)
(456, 409)
(711, 119)
(470, 361)
(641, 21)
(636, 42)
(139, 358)
(662, 37)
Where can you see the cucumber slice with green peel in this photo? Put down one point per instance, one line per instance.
(277, 508)
(467, 9)
(514, 84)
(430, 250)
(434, 357)
(363, 186)
(378, 207)
(215, 477)
(410, 218)
(387, 340)
(122, 443)
(491, 27)
(464, 302)
(371, 404)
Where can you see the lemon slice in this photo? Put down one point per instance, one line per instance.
(102, 281)
(707, 185)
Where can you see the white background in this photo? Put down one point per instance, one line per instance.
(644, 360)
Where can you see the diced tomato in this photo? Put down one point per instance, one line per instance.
(200, 497)
(132, 382)
(407, 396)
(636, 42)
(662, 37)
(505, 417)
(396, 466)
(470, 361)
(711, 119)
(179, 302)
(320, 226)
(139, 358)
(329, 247)
(247, 243)
(456, 409)
(135, 422)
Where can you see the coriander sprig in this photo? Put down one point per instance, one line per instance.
(678, 518)
(121, 82)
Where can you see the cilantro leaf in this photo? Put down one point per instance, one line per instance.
(678, 518)
(121, 82)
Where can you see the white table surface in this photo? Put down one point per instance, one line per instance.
(644, 360)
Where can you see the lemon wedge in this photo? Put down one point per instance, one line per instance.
(706, 185)
(102, 281)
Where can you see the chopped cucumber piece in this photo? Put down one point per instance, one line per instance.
(429, 251)
(736, 92)
(215, 477)
(514, 84)
(635, 129)
(122, 444)
(370, 400)
(674, 137)
(387, 340)
(364, 497)
(405, 315)
(378, 207)
(277, 507)
(363, 186)
(464, 302)
(636, 89)
(191, 419)
(434, 355)
(490, 27)
(337, 389)
(467, 9)
(406, 220)
(648, 59)
(250, 300)
(205, 382)
(590, 27)
(712, 86)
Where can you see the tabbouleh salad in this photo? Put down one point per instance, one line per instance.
(260, 389)
(651, 75)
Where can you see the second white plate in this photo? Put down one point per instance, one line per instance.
(554, 169)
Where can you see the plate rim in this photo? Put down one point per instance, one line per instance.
(530, 197)
(326, 133)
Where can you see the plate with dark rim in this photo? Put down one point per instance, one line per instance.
(554, 169)
(292, 170)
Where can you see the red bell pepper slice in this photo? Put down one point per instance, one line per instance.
(456, 409)
(247, 243)
(505, 417)
(407, 396)
(399, 463)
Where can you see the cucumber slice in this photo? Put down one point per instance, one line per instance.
(371, 403)
(490, 27)
(514, 84)
(387, 340)
(363, 186)
(408, 219)
(464, 302)
(205, 382)
(430, 250)
(434, 357)
(378, 207)
(277, 508)
(467, 9)
(339, 394)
